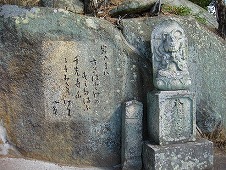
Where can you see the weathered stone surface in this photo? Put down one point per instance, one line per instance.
(196, 9)
(75, 6)
(207, 119)
(169, 57)
(132, 135)
(132, 6)
(171, 117)
(192, 155)
(63, 80)
(206, 57)
(21, 2)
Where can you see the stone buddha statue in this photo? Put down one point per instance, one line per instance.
(170, 57)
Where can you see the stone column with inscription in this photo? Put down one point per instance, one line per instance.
(171, 107)
(132, 135)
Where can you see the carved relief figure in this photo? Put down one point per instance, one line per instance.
(169, 57)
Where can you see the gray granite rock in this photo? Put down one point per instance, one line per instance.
(171, 117)
(208, 120)
(192, 155)
(132, 6)
(21, 2)
(132, 138)
(64, 78)
(196, 10)
(75, 6)
(206, 57)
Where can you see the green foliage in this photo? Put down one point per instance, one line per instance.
(200, 19)
(202, 3)
(181, 10)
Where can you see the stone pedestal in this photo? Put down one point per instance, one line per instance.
(171, 116)
(189, 156)
(132, 135)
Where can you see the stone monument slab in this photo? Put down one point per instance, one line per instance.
(132, 137)
(192, 155)
(171, 116)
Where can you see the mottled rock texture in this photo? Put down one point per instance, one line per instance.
(21, 2)
(63, 80)
(132, 6)
(195, 9)
(207, 119)
(75, 6)
(192, 155)
(206, 58)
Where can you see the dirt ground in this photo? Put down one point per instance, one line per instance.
(7, 163)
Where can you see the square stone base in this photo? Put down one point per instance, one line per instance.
(188, 156)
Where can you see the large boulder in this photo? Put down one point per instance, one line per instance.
(75, 6)
(22, 2)
(63, 79)
(132, 6)
(195, 10)
(206, 61)
(138, 6)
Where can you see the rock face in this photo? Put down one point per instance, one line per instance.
(205, 60)
(197, 10)
(22, 2)
(132, 6)
(63, 79)
(207, 119)
(75, 6)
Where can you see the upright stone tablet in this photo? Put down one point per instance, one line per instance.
(132, 135)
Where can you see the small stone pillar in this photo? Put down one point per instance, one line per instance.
(132, 135)
(171, 110)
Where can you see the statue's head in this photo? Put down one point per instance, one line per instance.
(173, 40)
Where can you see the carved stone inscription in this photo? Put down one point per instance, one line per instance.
(171, 116)
(177, 119)
(76, 80)
(169, 46)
